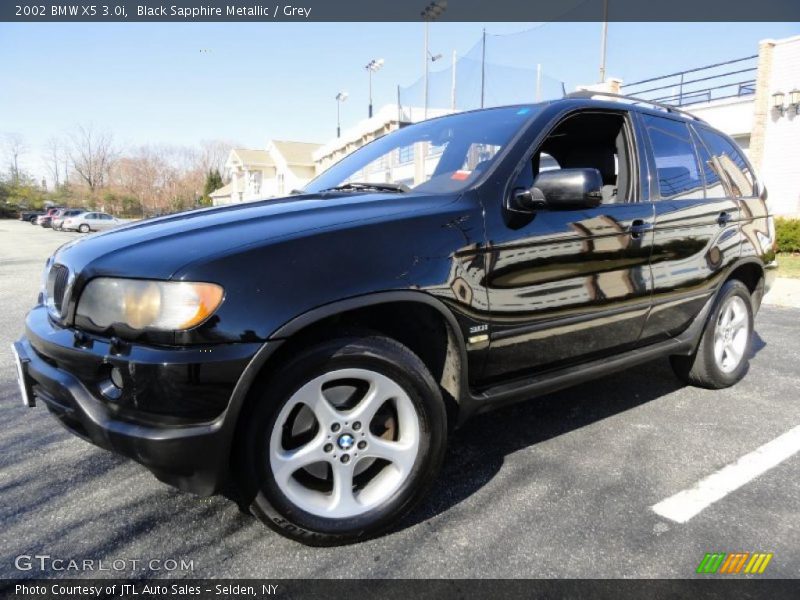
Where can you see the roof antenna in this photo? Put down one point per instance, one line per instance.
(563, 90)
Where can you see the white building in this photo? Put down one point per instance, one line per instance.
(257, 174)
(769, 134)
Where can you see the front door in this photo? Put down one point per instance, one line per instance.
(569, 286)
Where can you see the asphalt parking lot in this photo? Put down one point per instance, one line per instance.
(561, 486)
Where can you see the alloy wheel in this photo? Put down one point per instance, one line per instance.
(731, 334)
(344, 443)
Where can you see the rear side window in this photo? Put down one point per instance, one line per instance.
(729, 163)
(676, 162)
(715, 187)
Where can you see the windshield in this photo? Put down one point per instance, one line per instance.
(440, 155)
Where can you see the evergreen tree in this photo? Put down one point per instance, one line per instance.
(213, 183)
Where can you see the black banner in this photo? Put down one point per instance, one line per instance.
(397, 10)
(396, 589)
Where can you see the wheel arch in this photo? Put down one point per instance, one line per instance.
(447, 357)
(751, 272)
(399, 315)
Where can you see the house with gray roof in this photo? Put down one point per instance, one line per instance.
(275, 171)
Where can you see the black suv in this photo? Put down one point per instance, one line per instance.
(313, 350)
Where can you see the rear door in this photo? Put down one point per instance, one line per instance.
(99, 222)
(738, 177)
(695, 236)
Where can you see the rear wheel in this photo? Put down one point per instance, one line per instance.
(353, 439)
(84, 228)
(722, 356)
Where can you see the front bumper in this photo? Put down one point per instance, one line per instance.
(172, 413)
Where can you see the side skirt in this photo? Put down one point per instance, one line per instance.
(537, 385)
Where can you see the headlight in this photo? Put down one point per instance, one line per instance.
(48, 263)
(142, 304)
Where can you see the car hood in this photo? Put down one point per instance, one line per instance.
(159, 247)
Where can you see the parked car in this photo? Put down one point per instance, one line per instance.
(30, 215)
(90, 221)
(46, 219)
(63, 214)
(315, 350)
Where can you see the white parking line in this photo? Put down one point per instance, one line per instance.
(686, 504)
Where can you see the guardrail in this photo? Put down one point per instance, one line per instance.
(702, 84)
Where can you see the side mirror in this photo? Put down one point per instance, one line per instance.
(570, 188)
(562, 189)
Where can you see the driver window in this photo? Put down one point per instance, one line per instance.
(588, 140)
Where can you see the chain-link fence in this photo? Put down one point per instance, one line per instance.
(497, 70)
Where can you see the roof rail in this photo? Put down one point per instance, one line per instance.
(667, 107)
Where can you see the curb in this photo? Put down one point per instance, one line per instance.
(784, 292)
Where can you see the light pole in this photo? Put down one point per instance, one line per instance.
(372, 66)
(603, 42)
(340, 97)
(433, 11)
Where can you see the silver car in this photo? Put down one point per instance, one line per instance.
(90, 221)
(57, 224)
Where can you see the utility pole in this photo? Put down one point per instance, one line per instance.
(453, 85)
(433, 11)
(483, 67)
(603, 40)
(399, 107)
(539, 82)
(425, 83)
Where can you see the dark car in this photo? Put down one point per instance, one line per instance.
(30, 216)
(313, 351)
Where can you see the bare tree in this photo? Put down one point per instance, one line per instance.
(91, 154)
(53, 157)
(14, 147)
(212, 155)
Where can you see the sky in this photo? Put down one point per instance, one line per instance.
(180, 83)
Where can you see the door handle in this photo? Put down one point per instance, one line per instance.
(638, 227)
(724, 218)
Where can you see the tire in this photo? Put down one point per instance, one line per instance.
(32, 220)
(722, 356)
(294, 459)
(84, 228)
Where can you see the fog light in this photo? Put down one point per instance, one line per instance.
(111, 388)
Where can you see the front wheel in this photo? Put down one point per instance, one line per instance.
(344, 441)
(722, 356)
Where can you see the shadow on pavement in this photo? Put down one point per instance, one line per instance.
(476, 451)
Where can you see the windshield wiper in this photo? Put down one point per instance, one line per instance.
(358, 186)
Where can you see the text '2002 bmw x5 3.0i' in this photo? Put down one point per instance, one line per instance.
(313, 350)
